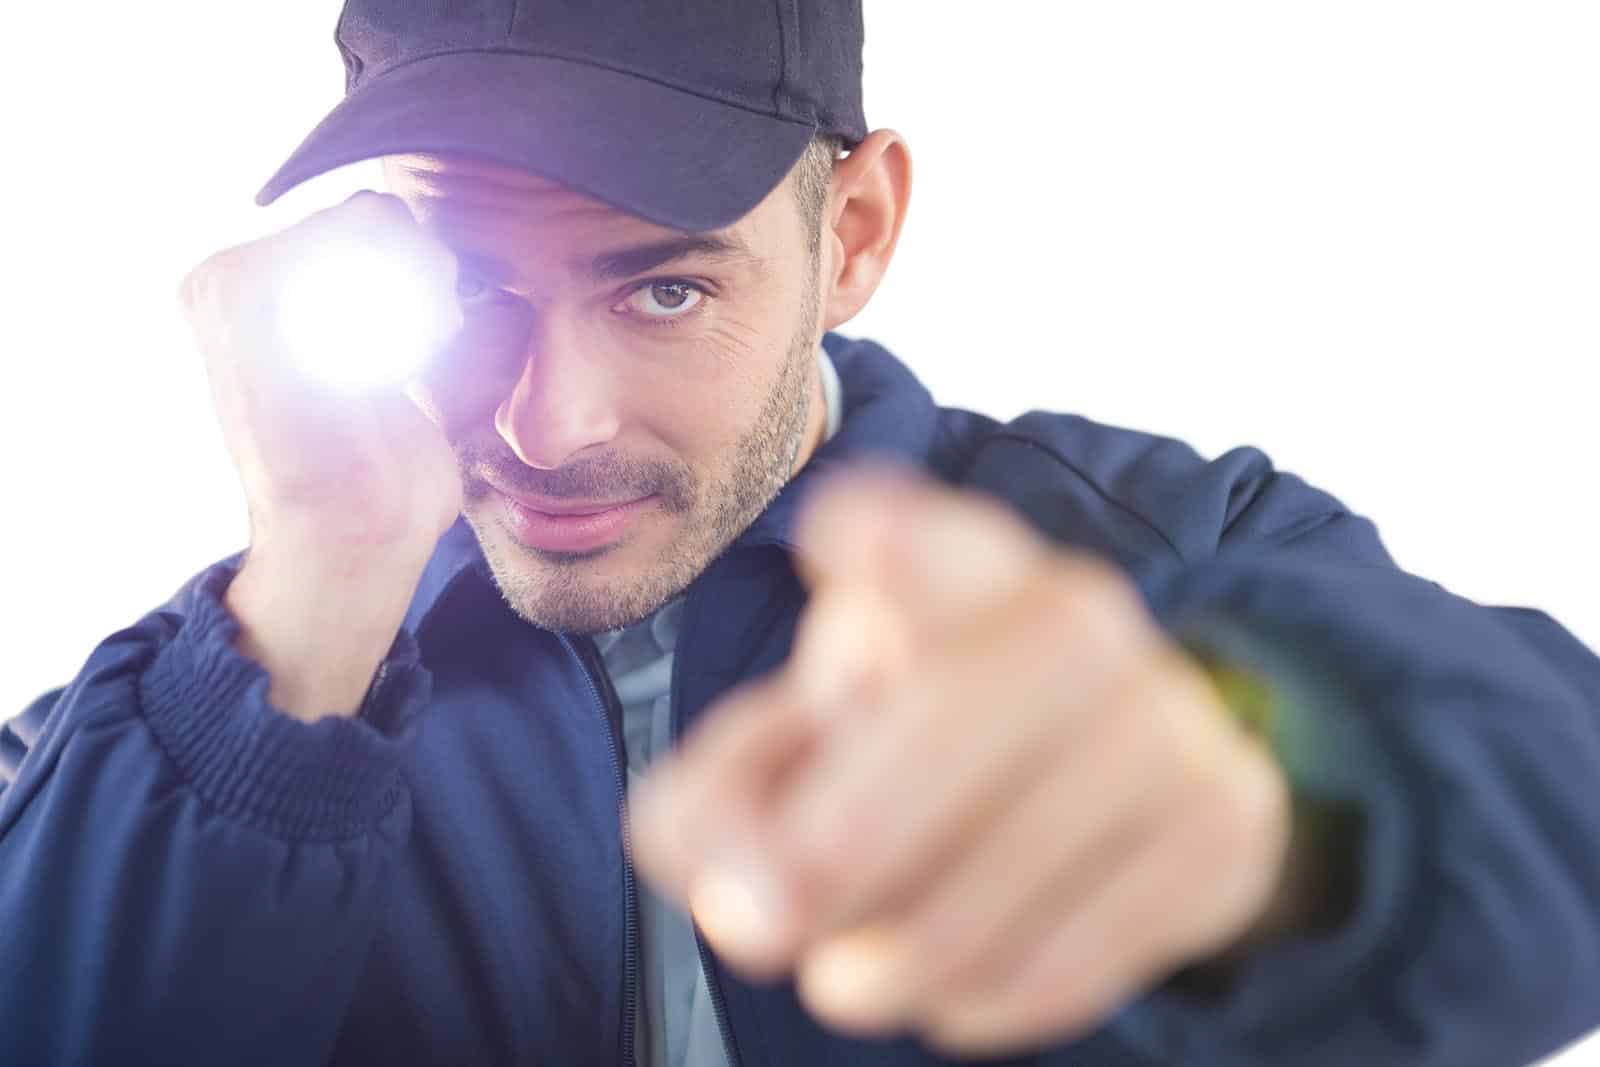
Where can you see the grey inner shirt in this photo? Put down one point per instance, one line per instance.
(676, 1024)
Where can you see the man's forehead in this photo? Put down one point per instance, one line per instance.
(457, 196)
(443, 182)
(463, 178)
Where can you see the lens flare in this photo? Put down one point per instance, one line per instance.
(354, 315)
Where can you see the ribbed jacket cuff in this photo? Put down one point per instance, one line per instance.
(207, 705)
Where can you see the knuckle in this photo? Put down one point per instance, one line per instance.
(1094, 603)
(1098, 580)
(1065, 619)
(210, 286)
(1165, 738)
(822, 861)
(364, 216)
(941, 949)
(197, 286)
(372, 206)
(1199, 742)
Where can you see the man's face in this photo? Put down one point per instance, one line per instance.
(591, 369)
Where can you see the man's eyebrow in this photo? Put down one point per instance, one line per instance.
(636, 259)
(619, 263)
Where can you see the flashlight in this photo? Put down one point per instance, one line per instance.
(355, 313)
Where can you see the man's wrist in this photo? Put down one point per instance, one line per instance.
(319, 628)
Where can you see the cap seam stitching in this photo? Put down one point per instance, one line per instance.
(345, 53)
(783, 58)
(581, 62)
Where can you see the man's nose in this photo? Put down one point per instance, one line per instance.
(564, 401)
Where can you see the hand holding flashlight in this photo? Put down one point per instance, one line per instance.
(298, 331)
(349, 485)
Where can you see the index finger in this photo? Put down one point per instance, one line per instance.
(704, 803)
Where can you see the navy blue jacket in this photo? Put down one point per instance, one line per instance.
(189, 876)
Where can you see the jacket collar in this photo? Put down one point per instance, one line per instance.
(888, 414)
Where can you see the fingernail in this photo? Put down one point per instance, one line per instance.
(853, 975)
(740, 907)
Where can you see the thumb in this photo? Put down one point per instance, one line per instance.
(851, 648)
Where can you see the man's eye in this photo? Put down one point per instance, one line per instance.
(664, 300)
(471, 289)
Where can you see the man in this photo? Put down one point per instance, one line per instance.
(932, 737)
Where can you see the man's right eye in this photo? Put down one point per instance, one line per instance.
(471, 289)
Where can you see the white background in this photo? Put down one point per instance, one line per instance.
(1364, 237)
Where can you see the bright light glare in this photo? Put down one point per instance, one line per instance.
(356, 316)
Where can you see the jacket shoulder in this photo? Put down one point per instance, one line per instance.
(1140, 497)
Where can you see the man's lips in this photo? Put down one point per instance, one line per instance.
(569, 507)
(564, 505)
(570, 531)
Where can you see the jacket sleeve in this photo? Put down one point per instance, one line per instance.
(1467, 737)
(188, 875)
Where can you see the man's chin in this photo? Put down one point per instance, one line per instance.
(575, 592)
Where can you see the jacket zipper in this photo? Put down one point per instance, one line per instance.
(713, 986)
(370, 699)
(588, 656)
(717, 1004)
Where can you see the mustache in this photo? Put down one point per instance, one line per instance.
(607, 479)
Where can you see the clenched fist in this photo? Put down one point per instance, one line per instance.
(353, 471)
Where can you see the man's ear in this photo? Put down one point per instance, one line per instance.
(867, 201)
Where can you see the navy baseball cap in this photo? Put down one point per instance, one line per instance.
(685, 113)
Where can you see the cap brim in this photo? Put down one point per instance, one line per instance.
(663, 154)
